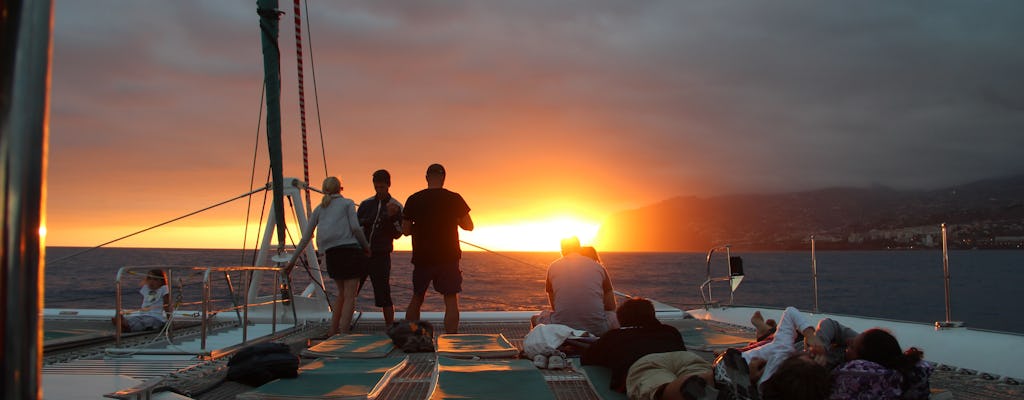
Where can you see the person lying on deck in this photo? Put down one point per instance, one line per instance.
(878, 368)
(860, 365)
(642, 335)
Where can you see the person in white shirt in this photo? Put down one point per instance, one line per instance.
(345, 249)
(155, 303)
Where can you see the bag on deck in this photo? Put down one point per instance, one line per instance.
(412, 336)
(262, 363)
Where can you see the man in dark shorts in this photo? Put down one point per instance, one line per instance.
(433, 217)
(381, 218)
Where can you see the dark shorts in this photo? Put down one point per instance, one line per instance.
(345, 263)
(379, 270)
(447, 278)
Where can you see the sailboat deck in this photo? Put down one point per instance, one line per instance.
(703, 337)
(204, 378)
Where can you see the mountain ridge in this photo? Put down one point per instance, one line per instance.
(979, 214)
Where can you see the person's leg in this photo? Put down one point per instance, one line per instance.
(339, 302)
(421, 278)
(763, 328)
(661, 375)
(349, 290)
(412, 313)
(380, 277)
(449, 283)
(451, 313)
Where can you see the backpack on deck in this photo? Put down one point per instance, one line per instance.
(262, 363)
(412, 336)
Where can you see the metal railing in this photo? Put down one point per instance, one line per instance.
(206, 310)
(734, 266)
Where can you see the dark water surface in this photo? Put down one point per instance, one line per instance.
(903, 285)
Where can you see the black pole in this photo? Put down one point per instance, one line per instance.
(25, 49)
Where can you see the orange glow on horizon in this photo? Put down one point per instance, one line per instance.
(537, 235)
(543, 234)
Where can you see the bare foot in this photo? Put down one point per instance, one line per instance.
(760, 326)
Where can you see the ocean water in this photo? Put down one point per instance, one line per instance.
(901, 285)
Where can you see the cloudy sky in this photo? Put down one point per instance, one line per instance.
(540, 110)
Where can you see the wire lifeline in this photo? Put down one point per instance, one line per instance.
(159, 225)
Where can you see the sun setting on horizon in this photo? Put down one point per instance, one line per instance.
(539, 235)
(527, 234)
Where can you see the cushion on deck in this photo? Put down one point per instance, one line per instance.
(489, 379)
(352, 346)
(333, 379)
(475, 345)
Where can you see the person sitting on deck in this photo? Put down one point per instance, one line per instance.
(580, 292)
(155, 302)
(641, 334)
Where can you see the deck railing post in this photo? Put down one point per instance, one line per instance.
(245, 307)
(949, 323)
(117, 309)
(206, 309)
(814, 273)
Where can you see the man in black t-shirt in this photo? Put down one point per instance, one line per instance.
(381, 218)
(433, 217)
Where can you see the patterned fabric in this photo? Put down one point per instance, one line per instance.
(918, 387)
(865, 380)
(862, 379)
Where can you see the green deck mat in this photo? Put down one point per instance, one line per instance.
(600, 379)
(489, 379)
(475, 345)
(332, 379)
(360, 345)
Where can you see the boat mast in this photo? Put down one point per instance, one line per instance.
(25, 48)
(269, 19)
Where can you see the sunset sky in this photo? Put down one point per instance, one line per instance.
(550, 116)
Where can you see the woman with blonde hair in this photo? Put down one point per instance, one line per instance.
(341, 239)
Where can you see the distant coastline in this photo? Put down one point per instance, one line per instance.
(981, 215)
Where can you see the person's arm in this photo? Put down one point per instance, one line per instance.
(357, 230)
(550, 290)
(609, 293)
(307, 234)
(395, 217)
(365, 214)
(167, 303)
(466, 222)
(406, 227)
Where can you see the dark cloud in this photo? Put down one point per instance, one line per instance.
(699, 97)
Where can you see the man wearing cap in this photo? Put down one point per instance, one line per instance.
(433, 217)
(381, 218)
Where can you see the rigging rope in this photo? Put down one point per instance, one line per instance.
(159, 225)
(316, 97)
(302, 99)
(252, 175)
